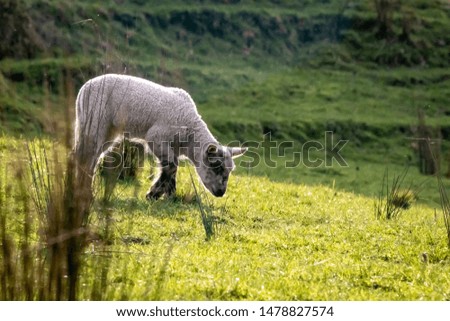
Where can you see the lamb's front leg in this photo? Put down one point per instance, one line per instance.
(166, 183)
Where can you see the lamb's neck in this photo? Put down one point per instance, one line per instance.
(199, 139)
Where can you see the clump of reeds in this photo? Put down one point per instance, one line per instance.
(394, 198)
(42, 233)
(44, 211)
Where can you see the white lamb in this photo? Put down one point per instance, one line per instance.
(166, 118)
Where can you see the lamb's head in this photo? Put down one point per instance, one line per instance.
(216, 166)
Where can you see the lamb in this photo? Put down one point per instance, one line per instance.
(165, 118)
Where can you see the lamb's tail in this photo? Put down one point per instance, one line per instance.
(79, 119)
(83, 113)
(83, 118)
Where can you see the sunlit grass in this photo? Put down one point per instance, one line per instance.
(272, 241)
(279, 242)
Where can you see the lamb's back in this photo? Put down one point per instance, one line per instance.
(138, 96)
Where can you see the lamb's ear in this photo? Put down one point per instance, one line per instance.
(237, 151)
(212, 149)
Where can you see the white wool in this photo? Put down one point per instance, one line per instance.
(134, 105)
(112, 104)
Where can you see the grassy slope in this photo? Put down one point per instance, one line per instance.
(376, 117)
(283, 233)
(273, 241)
(213, 47)
(317, 244)
(321, 96)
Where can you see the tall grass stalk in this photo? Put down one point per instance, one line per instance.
(208, 220)
(445, 204)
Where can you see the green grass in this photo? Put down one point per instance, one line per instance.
(273, 241)
(176, 44)
(320, 244)
(280, 233)
(325, 96)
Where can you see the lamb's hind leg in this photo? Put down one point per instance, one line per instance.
(166, 183)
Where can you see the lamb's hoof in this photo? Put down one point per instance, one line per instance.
(152, 196)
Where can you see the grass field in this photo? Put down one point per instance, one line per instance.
(281, 233)
(278, 241)
(276, 78)
(271, 241)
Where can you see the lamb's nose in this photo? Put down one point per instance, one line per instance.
(219, 192)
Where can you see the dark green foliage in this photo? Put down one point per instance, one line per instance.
(19, 38)
(400, 33)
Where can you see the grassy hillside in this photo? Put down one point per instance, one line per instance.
(276, 77)
(368, 109)
(216, 46)
(291, 70)
(271, 241)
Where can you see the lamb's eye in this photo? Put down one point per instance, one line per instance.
(216, 162)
